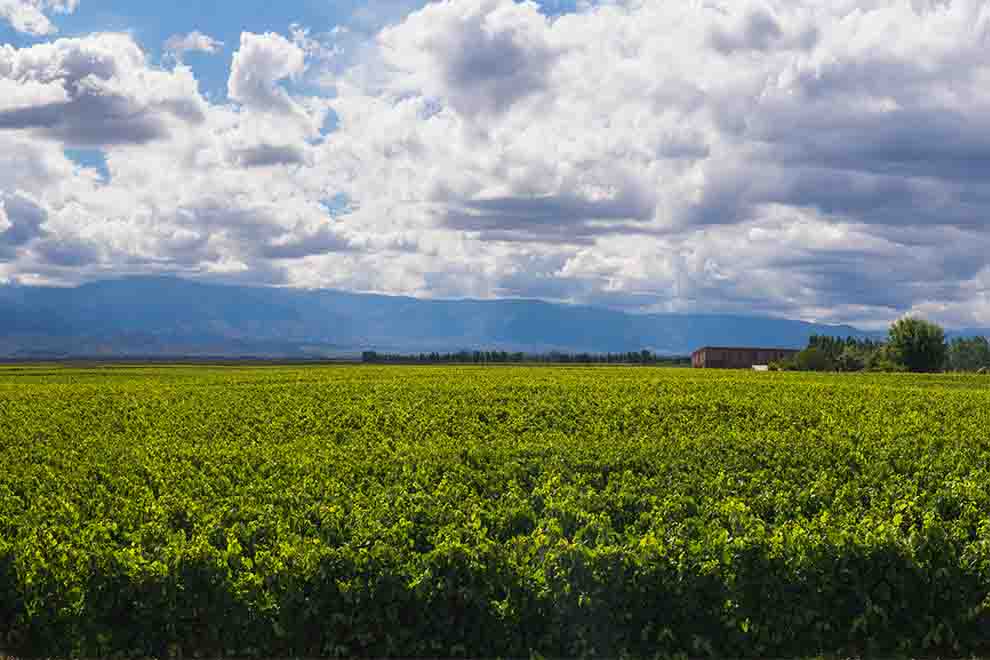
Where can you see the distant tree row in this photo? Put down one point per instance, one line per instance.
(969, 354)
(506, 357)
(912, 345)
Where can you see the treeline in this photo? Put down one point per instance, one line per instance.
(518, 357)
(911, 345)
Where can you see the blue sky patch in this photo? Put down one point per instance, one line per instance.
(93, 159)
(337, 205)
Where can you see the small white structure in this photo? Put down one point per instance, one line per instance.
(761, 367)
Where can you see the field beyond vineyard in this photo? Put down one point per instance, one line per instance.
(511, 511)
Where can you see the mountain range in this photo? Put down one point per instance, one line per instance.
(172, 317)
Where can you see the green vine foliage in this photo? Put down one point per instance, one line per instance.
(507, 511)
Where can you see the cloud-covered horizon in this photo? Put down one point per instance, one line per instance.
(823, 161)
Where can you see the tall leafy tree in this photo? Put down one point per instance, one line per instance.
(969, 354)
(918, 344)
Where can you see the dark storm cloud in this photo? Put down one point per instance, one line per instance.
(256, 233)
(95, 91)
(267, 155)
(867, 137)
(25, 219)
(857, 192)
(867, 279)
(66, 253)
(905, 143)
(877, 268)
(868, 198)
(883, 199)
(561, 207)
(215, 216)
(89, 121)
(482, 64)
(759, 32)
(560, 218)
(297, 247)
(493, 71)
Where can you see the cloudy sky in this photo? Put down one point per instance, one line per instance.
(816, 159)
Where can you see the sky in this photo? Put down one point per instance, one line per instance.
(827, 160)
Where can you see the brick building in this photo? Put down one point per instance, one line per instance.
(721, 357)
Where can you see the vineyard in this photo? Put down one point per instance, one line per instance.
(176, 511)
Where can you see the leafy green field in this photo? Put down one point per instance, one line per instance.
(319, 511)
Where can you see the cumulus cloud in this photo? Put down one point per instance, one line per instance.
(260, 64)
(815, 160)
(93, 91)
(566, 218)
(66, 254)
(478, 56)
(752, 27)
(266, 155)
(21, 220)
(696, 138)
(194, 42)
(31, 16)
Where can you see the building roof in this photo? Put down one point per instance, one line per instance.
(747, 348)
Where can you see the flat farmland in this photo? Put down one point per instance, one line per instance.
(321, 511)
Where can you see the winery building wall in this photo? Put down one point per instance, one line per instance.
(721, 357)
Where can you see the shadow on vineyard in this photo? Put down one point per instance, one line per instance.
(471, 511)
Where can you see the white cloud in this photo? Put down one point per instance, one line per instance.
(706, 116)
(478, 56)
(260, 64)
(21, 220)
(96, 90)
(31, 16)
(814, 160)
(194, 42)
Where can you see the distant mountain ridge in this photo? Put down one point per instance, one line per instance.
(164, 316)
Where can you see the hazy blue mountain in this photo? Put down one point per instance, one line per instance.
(968, 332)
(157, 316)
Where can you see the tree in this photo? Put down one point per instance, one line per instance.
(831, 347)
(881, 360)
(969, 354)
(917, 344)
(852, 358)
(813, 359)
(849, 354)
